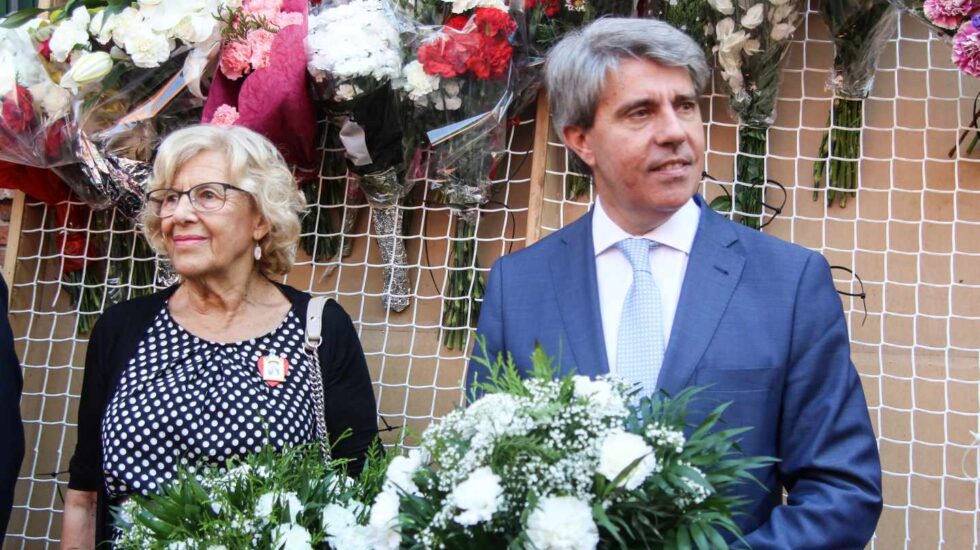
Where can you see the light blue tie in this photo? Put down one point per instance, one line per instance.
(640, 343)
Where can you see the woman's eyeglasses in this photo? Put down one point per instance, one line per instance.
(204, 197)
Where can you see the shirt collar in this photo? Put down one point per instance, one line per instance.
(677, 232)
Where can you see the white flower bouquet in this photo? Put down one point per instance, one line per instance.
(566, 463)
(354, 52)
(751, 39)
(269, 500)
(119, 66)
(860, 29)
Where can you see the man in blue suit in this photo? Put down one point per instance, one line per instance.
(654, 287)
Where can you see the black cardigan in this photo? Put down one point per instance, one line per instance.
(348, 396)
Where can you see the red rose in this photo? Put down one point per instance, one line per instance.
(54, 138)
(18, 110)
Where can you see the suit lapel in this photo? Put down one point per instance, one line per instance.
(573, 274)
(713, 271)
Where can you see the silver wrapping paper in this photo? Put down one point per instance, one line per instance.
(105, 180)
(387, 226)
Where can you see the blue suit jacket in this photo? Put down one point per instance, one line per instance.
(760, 322)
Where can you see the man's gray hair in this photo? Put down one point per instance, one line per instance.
(576, 67)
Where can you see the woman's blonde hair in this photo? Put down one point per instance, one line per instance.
(254, 165)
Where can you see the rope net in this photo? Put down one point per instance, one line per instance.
(912, 235)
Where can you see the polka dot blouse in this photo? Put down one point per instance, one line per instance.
(183, 400)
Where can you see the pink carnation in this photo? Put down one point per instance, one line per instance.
(947, 14)
(226, 115)
(261, 42)
(966, 48)
(287, 18)
(235, 59)
(267, 8)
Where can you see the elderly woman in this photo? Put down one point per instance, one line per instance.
(214, 367)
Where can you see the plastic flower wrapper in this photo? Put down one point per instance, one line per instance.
(33, 108)
(354, 53)
(272, 499)
(860, 28)
(751, 39)
(566, 463)
(943, 17)
(460, 83)
(261, 78)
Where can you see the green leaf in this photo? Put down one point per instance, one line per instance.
(722, 204)
(20, 17)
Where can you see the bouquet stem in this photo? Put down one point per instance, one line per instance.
(464, 289)
(388, 226)
(86, 291)
(839, 152)
(318, 238)
(750, 170)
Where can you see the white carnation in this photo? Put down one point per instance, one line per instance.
(418, 83)
(478, 497)
(336, 518)
(401, 470)
(70, 34)
(291, 537)
(601, 393)
(383, 521)
(124, 24)
(562, 523)
(147, 49)
(101, 27)
(618, 451)
(354, 40)
(288, 500)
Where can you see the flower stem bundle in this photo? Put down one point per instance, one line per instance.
(464, 287)
(840, 149)
(750, 170)
(860, 29)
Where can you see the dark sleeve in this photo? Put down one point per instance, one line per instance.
(11, 384)
(85, 468)
(348, 396)
(829, 461)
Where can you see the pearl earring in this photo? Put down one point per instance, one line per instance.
(257, 252)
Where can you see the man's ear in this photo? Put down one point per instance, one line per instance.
(577, 139)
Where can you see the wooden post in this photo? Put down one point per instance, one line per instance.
(13, 241)
(539, 164)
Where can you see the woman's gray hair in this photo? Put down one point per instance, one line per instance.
(254, 165)
(577, 66)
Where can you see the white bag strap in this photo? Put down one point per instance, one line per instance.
(314, 327)
(314, 322)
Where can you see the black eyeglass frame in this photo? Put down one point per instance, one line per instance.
(180, 194)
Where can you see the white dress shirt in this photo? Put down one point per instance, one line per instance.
(668, 262)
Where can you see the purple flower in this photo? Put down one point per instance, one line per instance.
(966, 49)
(948, 14)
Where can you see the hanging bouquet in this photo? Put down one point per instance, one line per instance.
(751, 40)
(860, 29)
(267, 500)
(261, 78)
(957, 22)
(354, 52)
(541, 23)
(568, 463)
(460, 84)
(118, 66)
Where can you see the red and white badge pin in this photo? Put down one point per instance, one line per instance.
(273, 369)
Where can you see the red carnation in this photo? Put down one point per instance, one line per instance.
(447, 56)
(54, 139)
(458, 22)
(492, 21)
(551, 8)
(491, 59)
(18, 110)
